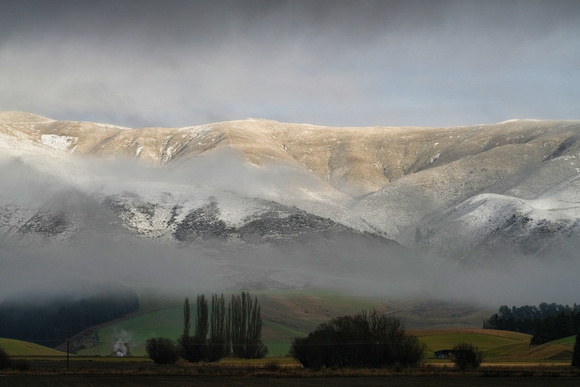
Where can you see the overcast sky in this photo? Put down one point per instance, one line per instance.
(339, 63)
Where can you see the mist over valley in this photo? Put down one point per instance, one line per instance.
(483, 214)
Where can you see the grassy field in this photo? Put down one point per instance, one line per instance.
(508, 363)
(23, 348)
(286, 314)
(289, 314)
(497, 346)
(136, 330)
(567, 340)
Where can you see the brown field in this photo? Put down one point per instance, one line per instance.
(142, 372)
(510, 361)
(180, 380)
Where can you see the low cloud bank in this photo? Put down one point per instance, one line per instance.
(355, 265)
(352, 267)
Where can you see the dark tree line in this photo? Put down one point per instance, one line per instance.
(367, 339)
(233, 330)
(50, 322)
(554, 327)
(545, 322)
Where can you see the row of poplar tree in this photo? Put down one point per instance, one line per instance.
(232, 329)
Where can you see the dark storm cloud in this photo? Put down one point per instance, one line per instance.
(177, 63)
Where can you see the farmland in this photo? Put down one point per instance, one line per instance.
(509, 359)
(509, 362)
(23, 348)
(499, 347)
(140, 372)
(286, 314)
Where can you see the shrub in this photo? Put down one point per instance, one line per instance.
(161, 350)
(4, 359)
(576, 352)
(192, 348)
(466, 356)
(273, 366)
(20, 365)
(364, 340)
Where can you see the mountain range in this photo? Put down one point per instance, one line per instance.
(268, 204)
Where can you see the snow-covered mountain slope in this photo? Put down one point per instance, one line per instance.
(471, 194)
(491, 227)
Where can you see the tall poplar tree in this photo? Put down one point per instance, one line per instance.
(201, 325)
(186, 317)
(193, 348)
(218, 345)
(246, 327)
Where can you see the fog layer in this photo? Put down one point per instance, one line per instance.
(99, 247)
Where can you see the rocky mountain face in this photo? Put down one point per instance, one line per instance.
(471, 195)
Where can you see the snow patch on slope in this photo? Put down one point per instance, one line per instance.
(463, 230)
(470, 222)
(58, 142)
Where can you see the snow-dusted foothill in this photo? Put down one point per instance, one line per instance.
(264, 202)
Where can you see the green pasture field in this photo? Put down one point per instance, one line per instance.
(23, 348)
(497, 346)
(566, 340)
(486, 340)
(285, 315)
(167, 322)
